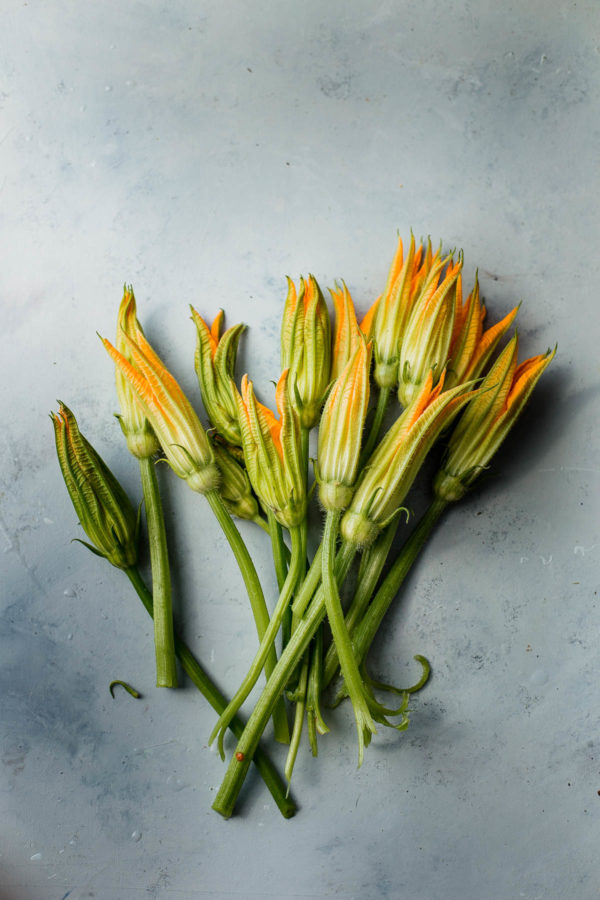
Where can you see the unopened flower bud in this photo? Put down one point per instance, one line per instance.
(215, 366)
(391, 470)
(341, 429)
(488, 419)
(235, 488)
(104, 510)
(273, 453)
(306, 348)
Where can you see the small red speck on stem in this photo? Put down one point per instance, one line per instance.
(239, 756)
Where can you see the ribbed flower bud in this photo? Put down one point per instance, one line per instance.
(391, 470)
(215, 366)
(306, 348)
(346, 334)
(272, 452)
(392, 310)
(235, 488)
(341, 429)
(425, 345)
(471, 348)
(104, 510)
(487, 420)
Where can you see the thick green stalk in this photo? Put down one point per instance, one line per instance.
(164, 646)
(256, 597)
(372, 564)
(238, 767)
(382, 405)
(365, 725)
(268, 638)
(209, 690)
(366, 630)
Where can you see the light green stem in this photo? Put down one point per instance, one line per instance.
(278, 549)
(365, 725)
(238, 767)
(366, 630)
(372, 564)
(308, 587)
(268, 638)
(256, 597)
(315, 722)
(300, 701)
(164, 646)
(210, 691)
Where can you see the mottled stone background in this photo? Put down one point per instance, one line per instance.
(204, 150)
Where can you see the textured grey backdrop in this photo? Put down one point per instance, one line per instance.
(203, 150)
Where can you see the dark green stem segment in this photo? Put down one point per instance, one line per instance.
(382, 404)
(166, 666)
(279, 550)
(301, 636)
(365, 631)
(257, 600)
(209, 690)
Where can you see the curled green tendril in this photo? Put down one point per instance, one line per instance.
(127, 687)
(390, 688)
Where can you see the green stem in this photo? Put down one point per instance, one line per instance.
(307, 588)
(278, 549)
(209, 690)
(366, 629)
(237, 770)
(365, 725)
(166, 666)
(256, 597)
(266, 645)
(380, 409)
(372, 563)
(316, 723)
(300, 701)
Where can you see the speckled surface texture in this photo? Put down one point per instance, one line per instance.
(202, 151)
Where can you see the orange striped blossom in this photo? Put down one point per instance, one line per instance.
(488, 418)
(395, 462)
(215, 364)
(341, 429)
(306, 348)
(173, 419)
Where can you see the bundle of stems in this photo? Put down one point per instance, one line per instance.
(419, 341)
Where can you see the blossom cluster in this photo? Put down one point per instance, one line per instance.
(418, 370)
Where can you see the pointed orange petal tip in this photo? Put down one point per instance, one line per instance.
(215, 328)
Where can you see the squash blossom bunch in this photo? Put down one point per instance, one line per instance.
(418, 373)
